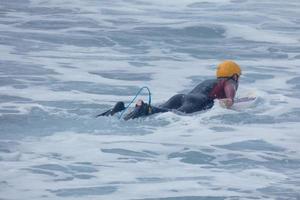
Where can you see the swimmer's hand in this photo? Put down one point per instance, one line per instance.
(226, 103)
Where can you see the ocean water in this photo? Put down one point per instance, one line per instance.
(64, 61)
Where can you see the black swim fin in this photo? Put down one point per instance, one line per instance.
(140, 110)
(117, 108)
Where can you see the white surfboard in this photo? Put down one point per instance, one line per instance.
(244, 102)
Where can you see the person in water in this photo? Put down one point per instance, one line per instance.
(202, 97)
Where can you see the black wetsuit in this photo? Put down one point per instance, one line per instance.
(200, 98)
(196, 100)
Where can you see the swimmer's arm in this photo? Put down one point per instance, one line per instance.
(230, 94)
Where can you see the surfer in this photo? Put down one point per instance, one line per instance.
(202, 97)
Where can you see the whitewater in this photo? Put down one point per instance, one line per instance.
(62, 62)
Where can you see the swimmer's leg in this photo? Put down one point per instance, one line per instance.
(187, 108)
(195, 103)
(117, 108)
(174, 102)
(143, 109)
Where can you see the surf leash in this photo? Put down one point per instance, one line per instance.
(137, 94)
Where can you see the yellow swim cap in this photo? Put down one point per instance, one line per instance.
(228, 68)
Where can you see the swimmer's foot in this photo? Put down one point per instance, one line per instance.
(141, 109)
(117, 108)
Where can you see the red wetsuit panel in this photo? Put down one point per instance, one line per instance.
(224, 89)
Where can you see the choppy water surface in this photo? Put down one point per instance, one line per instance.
(62, 62)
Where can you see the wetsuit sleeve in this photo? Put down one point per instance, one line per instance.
(230, 89)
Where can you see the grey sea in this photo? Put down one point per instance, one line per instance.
(62, 62)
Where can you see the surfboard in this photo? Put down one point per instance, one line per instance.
(244, 99)
(244, 102)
